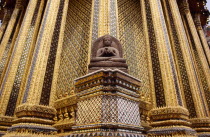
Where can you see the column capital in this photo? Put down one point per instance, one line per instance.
(20, 4)
(184, 7)
(7, 14)
(197, 21)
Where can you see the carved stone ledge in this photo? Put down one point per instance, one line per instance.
(66, 109)
(110, 125)
(65, 102)
(65, 124)
(166, 113)
(27, 110)
(6, 120)
(34, 120)
(107, 77)
(105, 133)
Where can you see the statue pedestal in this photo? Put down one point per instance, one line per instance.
(108, 105)
(94, 66)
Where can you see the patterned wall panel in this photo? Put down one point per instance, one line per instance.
(128, 111)
(170, 55)
(132, 38)
(74, 56)
(109, 109)
(89, 111)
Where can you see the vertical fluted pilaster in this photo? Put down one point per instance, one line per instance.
(104, 18)
(6, 42)
(104, 26)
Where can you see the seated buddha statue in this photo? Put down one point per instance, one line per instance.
(107, 53)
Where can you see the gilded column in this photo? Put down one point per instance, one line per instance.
(23, 48)
(8, 80)
(171, 105)
(9, 31)
(169, 76)
(189, 63)
(63, 17)
(199, 81)
(150, 104)
(38, 115)
(7, 15)
(202, 37)
(197, 46)
(6, 42)
(149, 54)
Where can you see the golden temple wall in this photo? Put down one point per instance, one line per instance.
(46, 45)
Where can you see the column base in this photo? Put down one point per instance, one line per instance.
(33, 120)
(170, 121)
(202, 126)
(172, 131)
(5, 123)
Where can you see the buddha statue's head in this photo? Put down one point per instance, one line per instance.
(107, 41)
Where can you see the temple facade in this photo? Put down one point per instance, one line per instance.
(47, 90)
